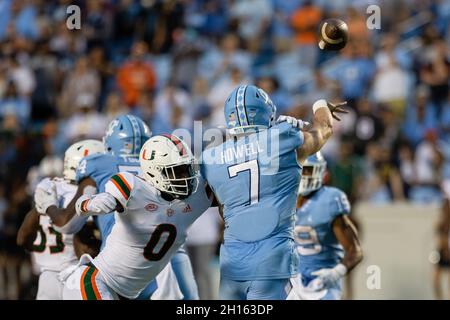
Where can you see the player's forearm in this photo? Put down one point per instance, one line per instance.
(322, 124)
(317, 136)
(28, 230)
(353, 256)
(60, 216)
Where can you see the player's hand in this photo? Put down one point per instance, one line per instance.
(329, 277)
(99, 203)
(45, 198)
(296, 123)
(336, 108)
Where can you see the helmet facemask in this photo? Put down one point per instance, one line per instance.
(168, 164)
(180, 180)
(70, 168)
(312, 178)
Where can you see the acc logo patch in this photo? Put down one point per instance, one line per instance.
(151, 207)
(170, 212)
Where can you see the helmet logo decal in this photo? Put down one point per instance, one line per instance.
(111, 127)
(152, 156)
(240, 106)
(232, 119)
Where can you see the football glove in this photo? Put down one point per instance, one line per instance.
(99, 203)
(45, 198)
(296, 123)
(330, 277)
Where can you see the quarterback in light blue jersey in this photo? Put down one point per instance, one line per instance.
(255, 177)
(327, 241)
(123, 141)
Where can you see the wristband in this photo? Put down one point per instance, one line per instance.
(319, 104)
(81, 205)
(322, 103)
(341, 269)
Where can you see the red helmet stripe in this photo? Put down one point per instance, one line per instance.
(177, 143)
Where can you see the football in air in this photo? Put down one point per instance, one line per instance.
(333, 34)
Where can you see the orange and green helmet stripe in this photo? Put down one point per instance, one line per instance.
(89, 290)
(121, 184)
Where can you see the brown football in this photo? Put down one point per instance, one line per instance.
(333, 34)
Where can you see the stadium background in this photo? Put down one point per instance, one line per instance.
(175, 61)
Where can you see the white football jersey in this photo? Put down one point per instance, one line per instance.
(53, 250)
(146, 234)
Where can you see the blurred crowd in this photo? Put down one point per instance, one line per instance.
(175, 61)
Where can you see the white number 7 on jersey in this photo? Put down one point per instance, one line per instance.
(253, 167)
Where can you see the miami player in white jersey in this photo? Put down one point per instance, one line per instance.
(123, 141)
(51, 249)
(153, 213)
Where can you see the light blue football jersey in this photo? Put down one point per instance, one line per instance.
(100, 168)
(316, 243)
(256, 179)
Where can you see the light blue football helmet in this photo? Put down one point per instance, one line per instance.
(125, 136)
(248, 109)
(313, 171)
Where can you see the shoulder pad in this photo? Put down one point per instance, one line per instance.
(339, 200)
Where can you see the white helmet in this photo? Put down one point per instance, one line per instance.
(50, 166)
(168, 164)
(78, 151)
(313, 171)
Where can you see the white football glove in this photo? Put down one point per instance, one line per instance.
(99, 203)
(296, 123)
(45, 198)
(330, 277)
